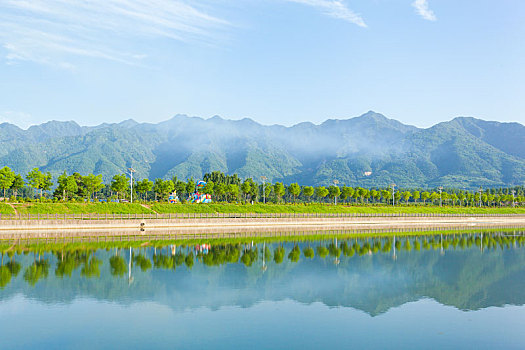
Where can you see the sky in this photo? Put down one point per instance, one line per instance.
(274, 61)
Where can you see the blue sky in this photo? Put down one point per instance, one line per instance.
(275, 61)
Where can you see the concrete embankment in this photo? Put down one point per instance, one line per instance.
(232, 225)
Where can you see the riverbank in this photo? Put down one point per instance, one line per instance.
(225, 208)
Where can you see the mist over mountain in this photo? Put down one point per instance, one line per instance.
(369, 150)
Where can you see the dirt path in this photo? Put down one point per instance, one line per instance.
(145, 206)
(14, 208)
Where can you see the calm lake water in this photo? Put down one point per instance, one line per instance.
(450, 291)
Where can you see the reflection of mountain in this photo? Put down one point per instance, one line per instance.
(467, 279)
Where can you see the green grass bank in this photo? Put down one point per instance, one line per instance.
(164, 208)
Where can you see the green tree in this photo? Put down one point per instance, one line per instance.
(143, 187)
(7, 176)
(163, 188)
(406, 196)
(357, 193)
(387, 195)
(434, 197)
(233, 192)
(278, 191)
(294, 189)
(462, 197)
(180, 187)
(17, 184)
(190, 186)
(93, 184)
(416, 195)
(455, 198)
(209, 188)
(321, 192)
(376, 195)
(334, 192)
(425, 196)
(39, 180)
(246, 188)
(220, 189)
(308, 192)
(397, 196)
(66, 185)
(119, 184)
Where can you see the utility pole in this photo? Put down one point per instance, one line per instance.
(480, 191)
(131, 171)
(335, 197)
(393, 191)
(513, 199)
(440, 190)
(264, 178)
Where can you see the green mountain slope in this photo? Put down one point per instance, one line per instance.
(370, 150)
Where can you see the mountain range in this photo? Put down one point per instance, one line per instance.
(369, 150)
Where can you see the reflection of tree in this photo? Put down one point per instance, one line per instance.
(249, 256)
(308, 252)
(91, 266)
(5, 276)
(322, 251)
(294, 254)
(278, 255)
(267, 253)
(163, 261)
(67, 263)
(189, 260)
(118, 266)
(334, 251)
(222, 254)
(143, 262)
(14, 267)
(38, 270)
(179, 259)
(348, 250)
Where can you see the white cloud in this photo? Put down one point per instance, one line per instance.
(51, 31)
(423, 10)
(60, 32)
(335, 8)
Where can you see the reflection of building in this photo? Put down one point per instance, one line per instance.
(203, 248)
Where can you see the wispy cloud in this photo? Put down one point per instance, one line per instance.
(423, 10)
(335, 8)
(50, 31)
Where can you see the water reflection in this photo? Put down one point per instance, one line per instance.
(469, 271)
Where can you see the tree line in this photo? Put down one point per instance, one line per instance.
(231, 188)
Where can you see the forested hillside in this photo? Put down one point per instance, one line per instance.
(370, 150)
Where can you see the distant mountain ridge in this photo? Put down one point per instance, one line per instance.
(369, 150)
